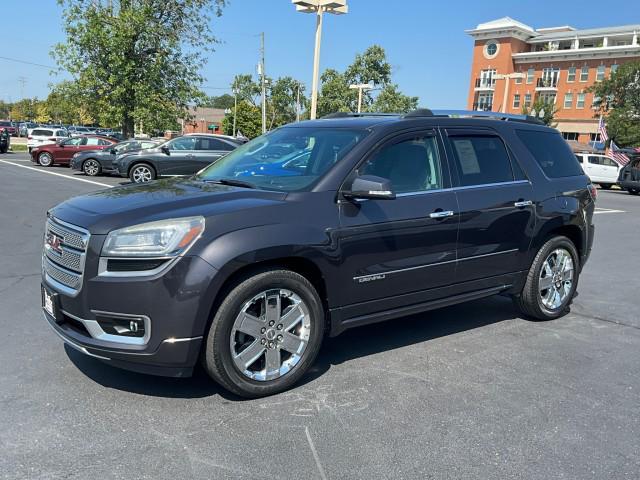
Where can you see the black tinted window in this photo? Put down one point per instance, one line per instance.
(551, 152)
(213, 144)
(481, 159)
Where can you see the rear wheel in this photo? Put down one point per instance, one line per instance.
(141, 173)
(551, 282)
(605, 186)
(91, 167)
(633, 191)
(45, 159)
(265, 335)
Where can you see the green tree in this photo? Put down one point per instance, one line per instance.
(282, 101)
(618, 97)
(249, 122)
(335, 94)
(391, 100)
(223, 101)
(25, 109)
(539, 105)
(138, 61)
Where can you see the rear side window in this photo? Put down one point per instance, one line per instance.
(481, 159)
(551, 152)
(213, 144)
(579, 157)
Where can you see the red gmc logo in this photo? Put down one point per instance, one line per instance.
(54, 242)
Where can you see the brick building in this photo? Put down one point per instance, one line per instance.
(201, 119)
(556, 65)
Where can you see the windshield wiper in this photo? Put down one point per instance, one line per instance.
(232, 182)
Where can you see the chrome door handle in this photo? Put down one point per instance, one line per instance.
(523, 203)
(445, 214)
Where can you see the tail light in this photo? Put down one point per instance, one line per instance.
(593, 191)
(29, 137)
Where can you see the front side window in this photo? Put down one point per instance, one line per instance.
(412, 165)
(74, 141)
(286, 159)
(93, 141)
(481, 160)
(183, 143)
(551, 152)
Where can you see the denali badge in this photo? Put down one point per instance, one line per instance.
(54, 242)
(371, 278)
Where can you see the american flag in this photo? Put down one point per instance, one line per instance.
(615, 154)
(602, 129)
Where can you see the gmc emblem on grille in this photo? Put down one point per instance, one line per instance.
(54, 242)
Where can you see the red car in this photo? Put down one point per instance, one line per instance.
(10, 127)
(61, 153)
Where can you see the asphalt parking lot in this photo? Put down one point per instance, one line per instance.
(467, 392)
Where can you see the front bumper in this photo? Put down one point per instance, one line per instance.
(177, 303)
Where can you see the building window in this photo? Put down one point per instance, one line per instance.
(600, 73)
(516, 100)
(527, 100)
(594, 137)
(491, 48)
(548, 98)
(530, 74)
(568, 100)
(484, 101)
(571, 74)
(584, 74)
(518, 80)
(580, 100)
(614, 68)
(570, 135)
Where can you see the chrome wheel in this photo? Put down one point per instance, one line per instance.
(91, 167)
(141, 173)
(270, 334)
(45, 159)
(556, 279)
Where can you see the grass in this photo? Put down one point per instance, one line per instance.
(18, 147)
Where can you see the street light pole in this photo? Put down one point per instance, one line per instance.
(263, 83)
(506, 78)
(318, 7)
(298, 102)
(235, 109)
(360, 87)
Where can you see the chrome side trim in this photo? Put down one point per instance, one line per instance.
(72, 344)
(467, 187)
(363, 278)
(104, 272)
(96, 331)
(181, 340)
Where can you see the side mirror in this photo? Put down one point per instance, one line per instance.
(371, 187)
(113, 151)
(165, 150)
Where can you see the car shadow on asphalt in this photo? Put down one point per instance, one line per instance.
(355, 343)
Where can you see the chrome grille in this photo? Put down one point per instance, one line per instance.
(64, 255)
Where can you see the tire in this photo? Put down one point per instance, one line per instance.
(226, 340)
(91, 167)
(29, 149)
(45, 159)
(142, 173)
(633, 191)
(605, 186)
(539, 303)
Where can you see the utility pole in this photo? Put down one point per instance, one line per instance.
(263, 84)
(22, 81)
(298, 103)
(235, 108)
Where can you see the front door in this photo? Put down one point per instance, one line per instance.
(70, 147)
(496, 205)
(406, 245)
(182, 154)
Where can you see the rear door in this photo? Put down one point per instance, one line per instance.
(496, 205)
(610, 170)
(209, 150)
(402, 246)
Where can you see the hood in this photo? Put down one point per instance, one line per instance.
(113, 208)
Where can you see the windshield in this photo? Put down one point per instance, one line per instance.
(287, 159)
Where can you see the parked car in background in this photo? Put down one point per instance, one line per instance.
(95, 162)
(10, 127)
(629, 178)
(75, 131)
(5, 140)
(184, 155)
(24, 127)
(599, 168)
(44, 136)
(61, 153)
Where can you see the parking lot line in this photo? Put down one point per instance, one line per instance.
(57, 174)
(607, 210)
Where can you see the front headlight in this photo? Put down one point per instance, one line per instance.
(164, 238)
(75, 155)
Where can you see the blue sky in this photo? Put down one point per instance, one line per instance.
(424, 39)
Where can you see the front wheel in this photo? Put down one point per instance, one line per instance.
(45, 159)
(551, 282)
(633, 191)
(265, 335)
(142, 173)
(91, 167)
(605, 186)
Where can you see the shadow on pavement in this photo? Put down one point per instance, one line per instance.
(359, 342)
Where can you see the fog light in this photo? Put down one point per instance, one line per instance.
(122, 326)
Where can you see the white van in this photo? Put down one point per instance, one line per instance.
(44, 136)
(600, 169)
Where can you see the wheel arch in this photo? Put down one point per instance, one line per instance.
(572, 231)
(146, 161)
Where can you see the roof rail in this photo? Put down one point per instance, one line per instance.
(361, 114)
(420, 112)
(484, 114)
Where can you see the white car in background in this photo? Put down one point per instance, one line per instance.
(600, 169)
(44, 136)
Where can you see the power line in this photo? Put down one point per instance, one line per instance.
(27, 63)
